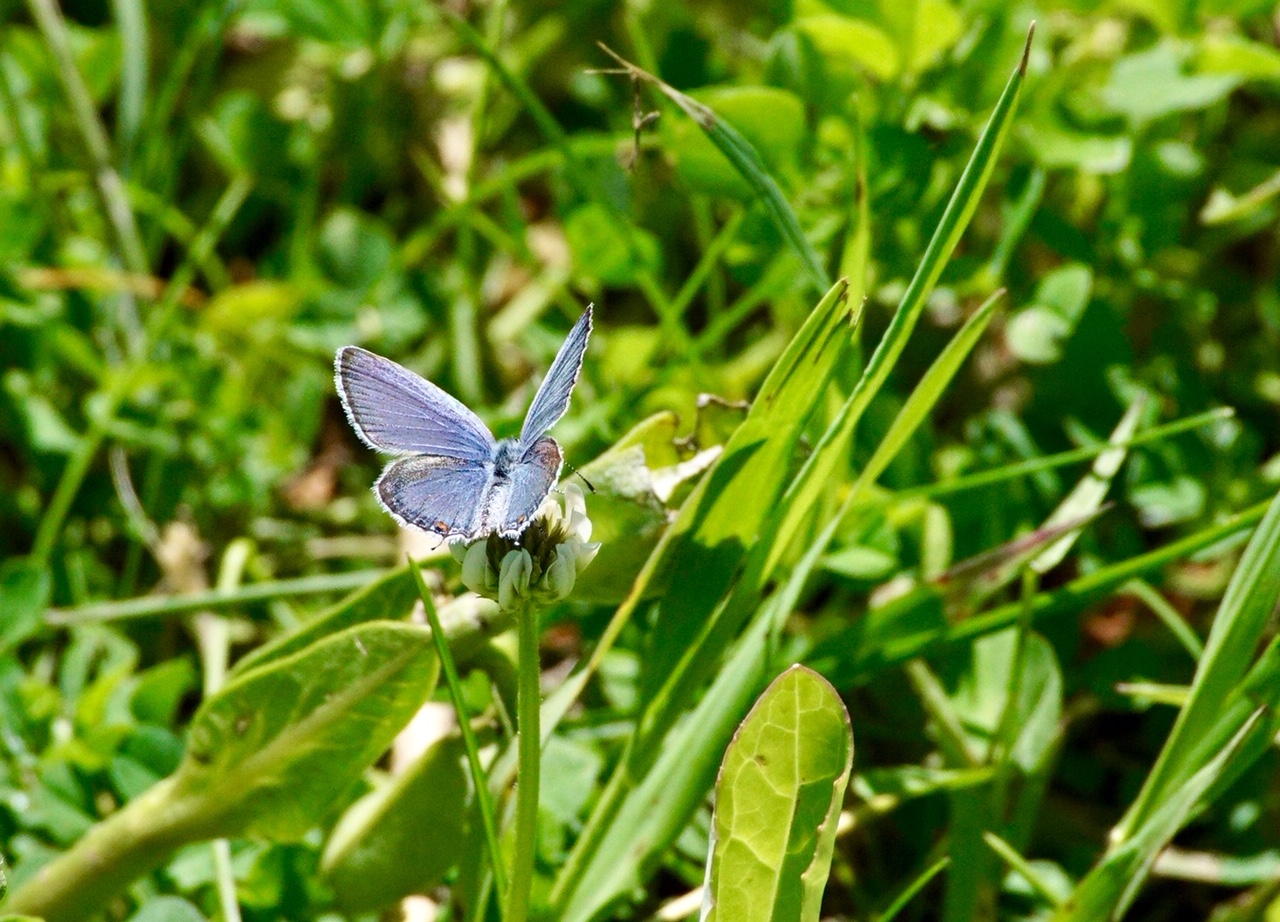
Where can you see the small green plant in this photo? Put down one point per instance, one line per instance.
(907, 369)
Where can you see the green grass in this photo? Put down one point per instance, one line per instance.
(990, 332)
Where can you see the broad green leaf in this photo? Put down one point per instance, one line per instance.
(269, 753)
(781, 786)
(1037, 333)
(633, 482)
(677, 781)
(404, 836)
(387, 598)
(1239, 626)
(937, 27)
(1236, 56)
(846, 41)
(468, 620)
(607, 251)
(1152, 83)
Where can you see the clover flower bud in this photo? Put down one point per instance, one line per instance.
(542, 565)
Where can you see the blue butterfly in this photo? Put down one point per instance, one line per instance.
(454, 478)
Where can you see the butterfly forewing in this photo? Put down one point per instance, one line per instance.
(434, 493)
(394, 410)
(552, 399)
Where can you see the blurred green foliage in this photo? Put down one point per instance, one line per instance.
(202, 200)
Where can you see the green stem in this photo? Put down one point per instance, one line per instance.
(68, 486)
(212, 599)
(487, 814)
(529, 744)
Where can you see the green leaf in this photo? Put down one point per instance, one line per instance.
(633, 481)
(1038, 333)
(269, 753)
(781, 786)
(167, 909)
(355, 249)
(1153, 83)
(24, 594)
(404, 836)
(1236, 56)
(842, 39)
(606, 250)
(386, 598)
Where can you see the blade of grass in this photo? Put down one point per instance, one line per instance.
(831, 450)
(484, 801)
(1110, 887)
(167, 605)
(131, 24)
(1172, 619)
(716, 524)
(909, 893)
(1239, 626)
(1073, 597)
(577, 172)
(670, 788)
(1022, 866)
(747, 162)
(109, 185)
(1028, 468)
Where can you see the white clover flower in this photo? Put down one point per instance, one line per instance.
(542, 565)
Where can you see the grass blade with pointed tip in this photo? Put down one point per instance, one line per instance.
(749, 165)
(1240, 624)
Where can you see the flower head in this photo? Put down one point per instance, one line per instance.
(541, 565)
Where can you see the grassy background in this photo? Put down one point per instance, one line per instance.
(201, 201)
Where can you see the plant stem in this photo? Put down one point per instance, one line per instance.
(50, 528)
(529, 744)
(487, 814)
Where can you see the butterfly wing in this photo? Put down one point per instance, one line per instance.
(552, 399)
(518, 490)
(437, 494)
(394, 410)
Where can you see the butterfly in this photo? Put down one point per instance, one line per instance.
(454, 478)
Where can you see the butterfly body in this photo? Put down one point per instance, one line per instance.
(453, 478)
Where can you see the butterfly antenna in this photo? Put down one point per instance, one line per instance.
(574, 470)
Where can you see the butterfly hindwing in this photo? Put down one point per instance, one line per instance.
(394, 410)
(435, 493)
(519, 489)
